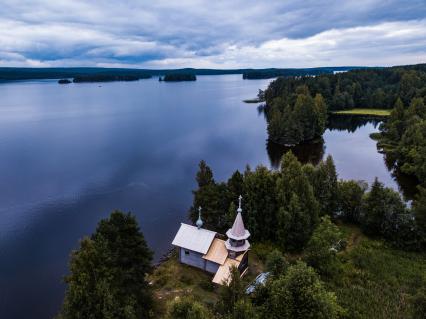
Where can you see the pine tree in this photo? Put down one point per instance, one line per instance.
(107, 274)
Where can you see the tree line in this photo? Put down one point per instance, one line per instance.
(273, 72)
(285, 206)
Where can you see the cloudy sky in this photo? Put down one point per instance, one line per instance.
(212, 34)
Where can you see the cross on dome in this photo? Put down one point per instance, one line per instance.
(199, 222)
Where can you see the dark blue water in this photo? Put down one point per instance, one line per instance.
(71, 154)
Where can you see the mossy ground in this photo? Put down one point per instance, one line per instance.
(376, 281)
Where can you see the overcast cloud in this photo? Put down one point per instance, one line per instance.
(213, 34)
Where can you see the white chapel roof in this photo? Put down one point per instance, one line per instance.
(192, 238)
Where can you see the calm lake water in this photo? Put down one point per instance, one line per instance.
(69, 155)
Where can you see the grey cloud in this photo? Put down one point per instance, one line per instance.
(216, 33)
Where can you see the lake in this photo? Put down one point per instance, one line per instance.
(70, 154)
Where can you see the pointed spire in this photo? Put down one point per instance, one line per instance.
(238, 230)
(199, 222)
(238, 234)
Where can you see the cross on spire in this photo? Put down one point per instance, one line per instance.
(239, 210)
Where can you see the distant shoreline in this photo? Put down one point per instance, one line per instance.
(15, 73)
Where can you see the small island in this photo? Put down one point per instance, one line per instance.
(178, 77)
(109, 78)
(64, 81)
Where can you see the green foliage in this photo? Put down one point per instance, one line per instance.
(243, 309)
(368, 88)
(292, 122)
(420, 210)
(300, 294)
(298, 208)
(275, 263)
(378, 281)
(403, 138)
(259, 204)
(324, 182)
(350, 200)
(187, 308)
(419, 304)
(107, 273)
(231, 293)
(380, 204)
(211, 196)
(321, 251)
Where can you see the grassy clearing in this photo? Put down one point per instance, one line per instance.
(377, 281)
(171, 280)
(368, 112)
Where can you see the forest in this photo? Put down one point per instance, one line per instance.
(107, 78)
(273, 73)
(377, 88)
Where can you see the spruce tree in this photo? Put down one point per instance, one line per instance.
(380, 205)
(298, 209)
(325, 186)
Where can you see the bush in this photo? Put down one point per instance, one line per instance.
(187, 308)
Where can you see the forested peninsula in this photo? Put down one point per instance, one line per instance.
(296, 106)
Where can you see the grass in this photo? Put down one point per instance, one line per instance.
(171, 280)
(368, 112)
(377, 281)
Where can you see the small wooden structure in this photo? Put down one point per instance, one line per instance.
(203, 249)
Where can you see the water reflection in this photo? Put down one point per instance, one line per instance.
(351, 123)
(407, 183)
(306, 153)
(347, 139)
